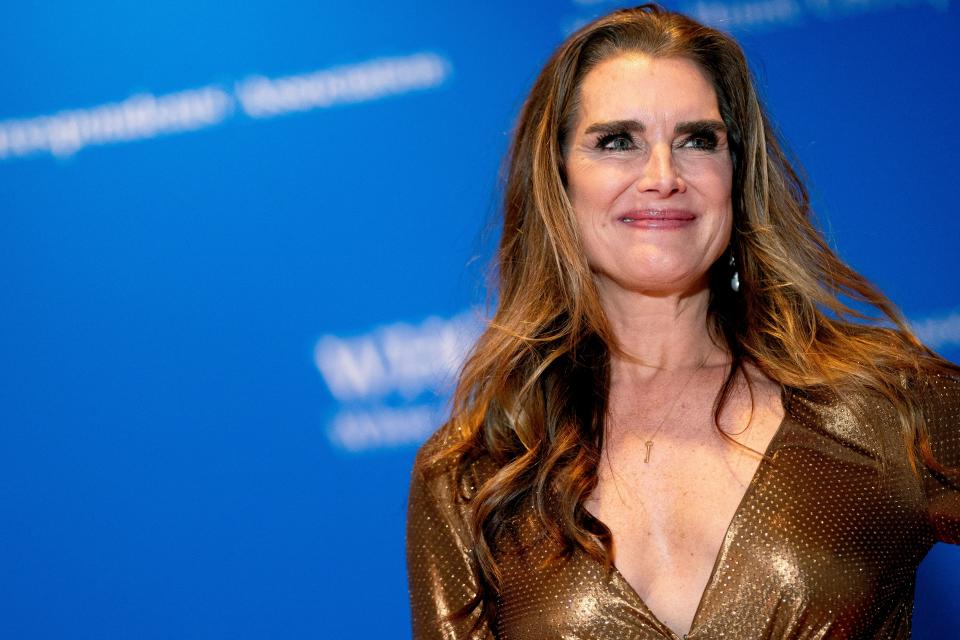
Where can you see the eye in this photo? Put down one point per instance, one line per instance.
(700, 141)
(622, 141)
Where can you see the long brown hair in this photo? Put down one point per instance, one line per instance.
(532, 395)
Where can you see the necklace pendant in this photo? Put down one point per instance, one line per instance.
(649, 444)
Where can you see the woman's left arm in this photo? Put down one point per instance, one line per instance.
(942, 413)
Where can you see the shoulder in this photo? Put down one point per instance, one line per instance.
(443, 474)
(935, 390)
(938, 396)
(937, 387)
(877, 423)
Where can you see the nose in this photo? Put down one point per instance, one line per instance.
(659, 174)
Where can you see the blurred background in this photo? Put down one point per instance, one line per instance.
(243, 249)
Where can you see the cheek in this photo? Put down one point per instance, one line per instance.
(593, 189)
(721, 199)
(713, 179)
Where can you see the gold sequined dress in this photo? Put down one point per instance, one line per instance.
(822, 545)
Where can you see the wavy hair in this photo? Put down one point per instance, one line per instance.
(532, 395)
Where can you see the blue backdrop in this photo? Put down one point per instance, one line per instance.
(242, 251)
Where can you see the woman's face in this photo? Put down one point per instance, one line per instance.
(649, 174)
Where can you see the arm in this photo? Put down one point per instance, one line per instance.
(942, 413)
(439, 570)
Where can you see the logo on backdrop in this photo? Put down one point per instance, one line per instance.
(391, 384)
(144, 116)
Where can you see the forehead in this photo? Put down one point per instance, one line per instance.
(638, 86)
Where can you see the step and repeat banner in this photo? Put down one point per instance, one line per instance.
(243, 251)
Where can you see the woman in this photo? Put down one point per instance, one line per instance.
(673, 426)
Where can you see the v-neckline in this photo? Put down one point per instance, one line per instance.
(786, 396)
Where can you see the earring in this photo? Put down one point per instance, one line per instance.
(735, 279)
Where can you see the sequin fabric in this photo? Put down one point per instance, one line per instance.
(825, 542)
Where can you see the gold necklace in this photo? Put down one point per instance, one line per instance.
(649, 442)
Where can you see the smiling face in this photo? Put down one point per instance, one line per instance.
(649, 174)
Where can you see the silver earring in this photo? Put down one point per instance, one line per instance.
(735, 279)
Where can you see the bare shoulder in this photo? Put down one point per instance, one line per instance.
(761, 381)
(760, 392)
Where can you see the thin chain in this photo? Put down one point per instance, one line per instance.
(649, 441)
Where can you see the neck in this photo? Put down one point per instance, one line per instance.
(660, 332)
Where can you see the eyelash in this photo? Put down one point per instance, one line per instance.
(607, 138)
(708, 138)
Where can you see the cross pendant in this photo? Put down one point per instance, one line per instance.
(649, 444)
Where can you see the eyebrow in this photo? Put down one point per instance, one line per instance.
(615, 126)
(635, 126)
(695, 126)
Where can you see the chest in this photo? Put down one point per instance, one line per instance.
(669, 507)
(812, 537)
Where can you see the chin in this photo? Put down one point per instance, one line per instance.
(659, 285)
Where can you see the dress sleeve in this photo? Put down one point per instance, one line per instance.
(439, 568)
(942, 413)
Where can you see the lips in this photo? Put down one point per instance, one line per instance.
(654, 215)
